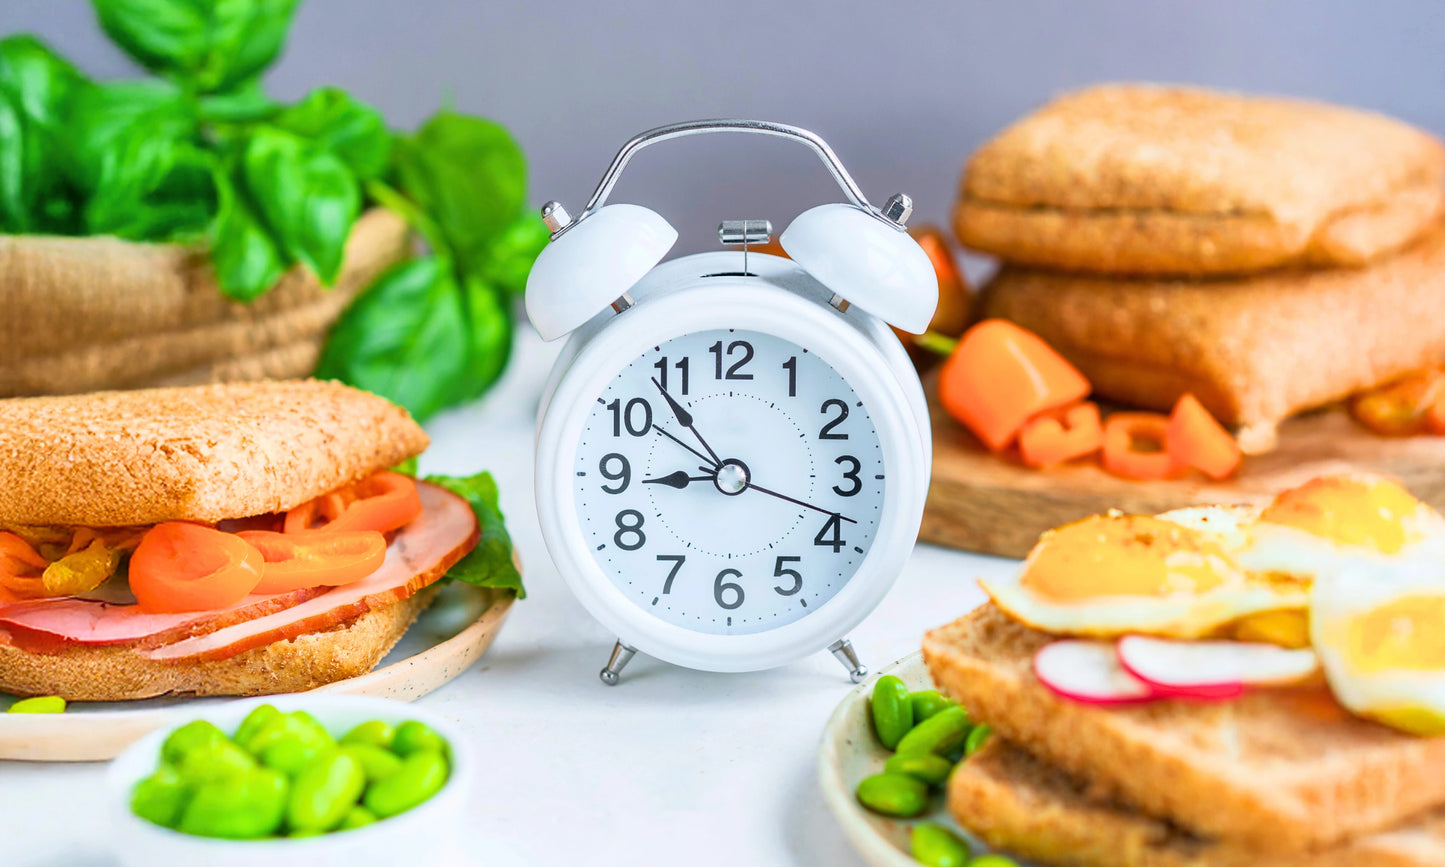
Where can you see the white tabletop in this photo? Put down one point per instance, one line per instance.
(672, 766)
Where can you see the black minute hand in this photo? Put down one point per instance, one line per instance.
(684, 418)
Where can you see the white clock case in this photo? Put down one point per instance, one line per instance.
(703, 292)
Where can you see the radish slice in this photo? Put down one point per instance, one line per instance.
(1088, 672)
(1212, 669)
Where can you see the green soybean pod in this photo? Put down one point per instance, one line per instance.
(325, 791)
(256, 720)
(976, 739)
(422, 775)
(376, 763)
(193, 734)
(376, 733)
(936, 846)
(217, 761)
(892, 712)
(926, 703)
(357, 817)
(941, 733)
(413, 736)
(161, 797)
(893, 795)
(38, 704)
(293, 755)
(925, 767)
(992, 861)
(239, 808)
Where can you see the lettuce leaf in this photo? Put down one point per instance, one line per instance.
(490, 563)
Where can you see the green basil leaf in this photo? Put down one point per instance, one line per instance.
(406, 467)
(351, 129)
(509, 259)
(404, 338)
(245, 257)
(36, 86)
(490, 564)
(247, 103)
(489, 341)
(213, 45)
(470, 177)
(308, 198)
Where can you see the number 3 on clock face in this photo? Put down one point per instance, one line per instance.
(729, 481)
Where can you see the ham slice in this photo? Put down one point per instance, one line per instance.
(420, 554)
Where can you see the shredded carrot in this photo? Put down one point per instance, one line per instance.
(1000, 376)
(1196, 440)
(1061, 435)
(1136, 446)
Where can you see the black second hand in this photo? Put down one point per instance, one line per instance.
(684, 418)
(753, 487)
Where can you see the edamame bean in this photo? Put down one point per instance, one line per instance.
(325, 791)
(976, 739)
(240, 808)
(925, 767)
(892, 712)
(926, 703)
(375, 733)
(38, 704)
(992, 861)
(255, 721)
(189, 736)
(358, 817)
(412, 736)
(422, 775)
(893, 794)
(289, 742)
(941, 733)
(376, 763)
(936, 846)
(217, 761)
(160, 797)
(305, 832)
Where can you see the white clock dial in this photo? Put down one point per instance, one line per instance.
(729, 481)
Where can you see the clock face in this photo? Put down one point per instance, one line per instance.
(729, 481)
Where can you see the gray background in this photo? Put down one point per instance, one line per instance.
(902, 90)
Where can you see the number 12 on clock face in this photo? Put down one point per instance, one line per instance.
(729, 481)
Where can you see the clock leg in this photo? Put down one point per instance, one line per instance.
(843, 650)
(621, 655)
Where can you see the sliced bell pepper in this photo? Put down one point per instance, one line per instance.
(21, 569)
(190, 567)
(295, 561)
(1402, 407)
(1196, 440)
(1136, 446)
(1435, 419)
(1000, 376)
(954, 300)
(384, 502)
(1061, 435)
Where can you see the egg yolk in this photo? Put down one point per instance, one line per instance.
(1362, 512)
(1123, 555)
(1405, 634)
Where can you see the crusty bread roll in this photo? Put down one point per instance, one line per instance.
(1141, 179)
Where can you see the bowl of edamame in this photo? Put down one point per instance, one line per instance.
(286, 780)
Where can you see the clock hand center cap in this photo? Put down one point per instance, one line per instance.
(732, 477)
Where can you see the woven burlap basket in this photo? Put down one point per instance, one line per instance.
(83, 314)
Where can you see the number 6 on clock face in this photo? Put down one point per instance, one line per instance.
(729, 481)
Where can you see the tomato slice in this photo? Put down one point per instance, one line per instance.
(190, 567)
(297, 561)
(384, 502)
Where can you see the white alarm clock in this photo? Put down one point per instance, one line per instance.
(733, 449)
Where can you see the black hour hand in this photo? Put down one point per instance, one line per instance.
(679, 480)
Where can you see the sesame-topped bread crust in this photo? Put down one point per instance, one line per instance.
(202, 453)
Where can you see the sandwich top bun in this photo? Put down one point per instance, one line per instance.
(1147, 179)
(193, 454)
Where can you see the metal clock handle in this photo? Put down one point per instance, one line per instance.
(894, 213)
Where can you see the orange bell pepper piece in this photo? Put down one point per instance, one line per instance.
(1061, 435)
(384, 502)
(189, 567)
(954, 301)
(21, 569)
(1435, 418)
(1196, 440)
(1136, 446)
(1402, 407)
(295, 561)
(1000, 376)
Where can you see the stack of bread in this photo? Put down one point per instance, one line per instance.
(1267, 255)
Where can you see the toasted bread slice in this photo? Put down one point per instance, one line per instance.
(1254, 350)
(1020, 805)
(204, 453)
(1276, 770)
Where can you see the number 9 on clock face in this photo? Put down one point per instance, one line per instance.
(729, 481)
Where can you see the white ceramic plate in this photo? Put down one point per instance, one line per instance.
(850, 751)
(451, 634)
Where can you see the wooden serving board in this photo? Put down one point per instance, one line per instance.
(995, 505)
